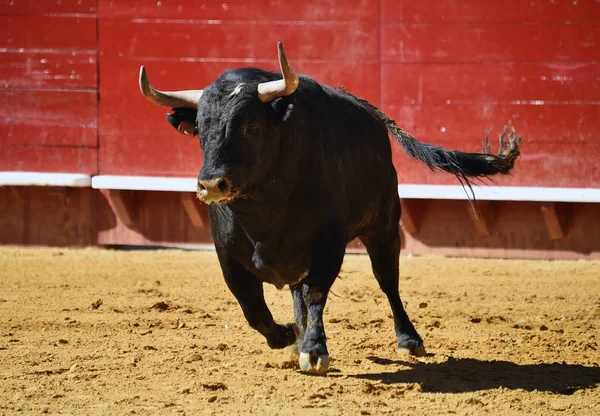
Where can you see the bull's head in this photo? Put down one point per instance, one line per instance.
(234, 119)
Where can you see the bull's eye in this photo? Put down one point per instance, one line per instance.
(250, 130)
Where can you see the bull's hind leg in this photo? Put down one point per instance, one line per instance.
(383, 246)
(248, 291)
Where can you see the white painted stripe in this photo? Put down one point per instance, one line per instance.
(144, 183)
(501, 193)
(75, 180)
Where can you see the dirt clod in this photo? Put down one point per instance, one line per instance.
(214, 386)
(159, 306)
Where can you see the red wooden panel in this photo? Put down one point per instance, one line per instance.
(36, 7)
(490, 42)
(135, 114)
(42, 69)
(160, 219)
(309, 10)
(459, 123)
(48, 135)
(541, 164)
(435, 11)
(436, 84)
(48, 117)
(518, 231)
(165, 153)
(341, 41)
(48, 159)
(47, 32)
(36, 215)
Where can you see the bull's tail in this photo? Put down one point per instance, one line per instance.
(463, 165)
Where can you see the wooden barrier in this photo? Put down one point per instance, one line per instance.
(445, 71)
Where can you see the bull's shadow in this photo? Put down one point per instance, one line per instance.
(467, 375)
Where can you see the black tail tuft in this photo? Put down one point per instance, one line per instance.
(463, 165)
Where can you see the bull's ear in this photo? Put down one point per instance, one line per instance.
(283, 108)
(184, 120)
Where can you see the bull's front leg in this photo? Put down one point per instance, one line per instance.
(248, 291)
(300, 316)
(327, 262)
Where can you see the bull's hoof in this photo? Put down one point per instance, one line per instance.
(318, 364)
(416, 350)
(283, 335)
(292, 352)
(411, 345)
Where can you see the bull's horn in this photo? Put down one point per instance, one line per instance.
(268, 91)
(171, 99)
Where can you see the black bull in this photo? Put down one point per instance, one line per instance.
(293, 170)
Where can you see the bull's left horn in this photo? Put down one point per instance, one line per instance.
(171, 99)
(268, 91)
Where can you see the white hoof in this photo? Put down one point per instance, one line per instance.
(320, 368)
(416, 351)
(292, 352)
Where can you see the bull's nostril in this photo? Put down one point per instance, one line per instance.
(223, 185)
(201, 187)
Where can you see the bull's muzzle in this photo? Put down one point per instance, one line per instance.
(214, 191)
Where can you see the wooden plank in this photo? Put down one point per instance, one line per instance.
(48, 216)
(419, 84)
(413, 212)
(48, 69)
(482, 216)
(555, 218)
(462, 124)
(332, 42)
(48, 135)
(48, 117)
(551, 165)
(519, 232)
(165, 153)
(161, 220)
(48, 159)
(195, 211)
(478, 42)
(124, 204)
(51, 33)
(36, 7)
(435, 11)
(242, 10)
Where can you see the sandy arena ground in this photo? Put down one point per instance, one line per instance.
(105, 332)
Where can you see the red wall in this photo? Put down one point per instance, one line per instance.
(48, 68)
(444, 70)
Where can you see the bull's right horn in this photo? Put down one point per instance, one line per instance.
(268, 91)
(171, 99)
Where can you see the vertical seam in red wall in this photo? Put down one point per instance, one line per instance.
(97, 87)
(379, 29)
(94, 222)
